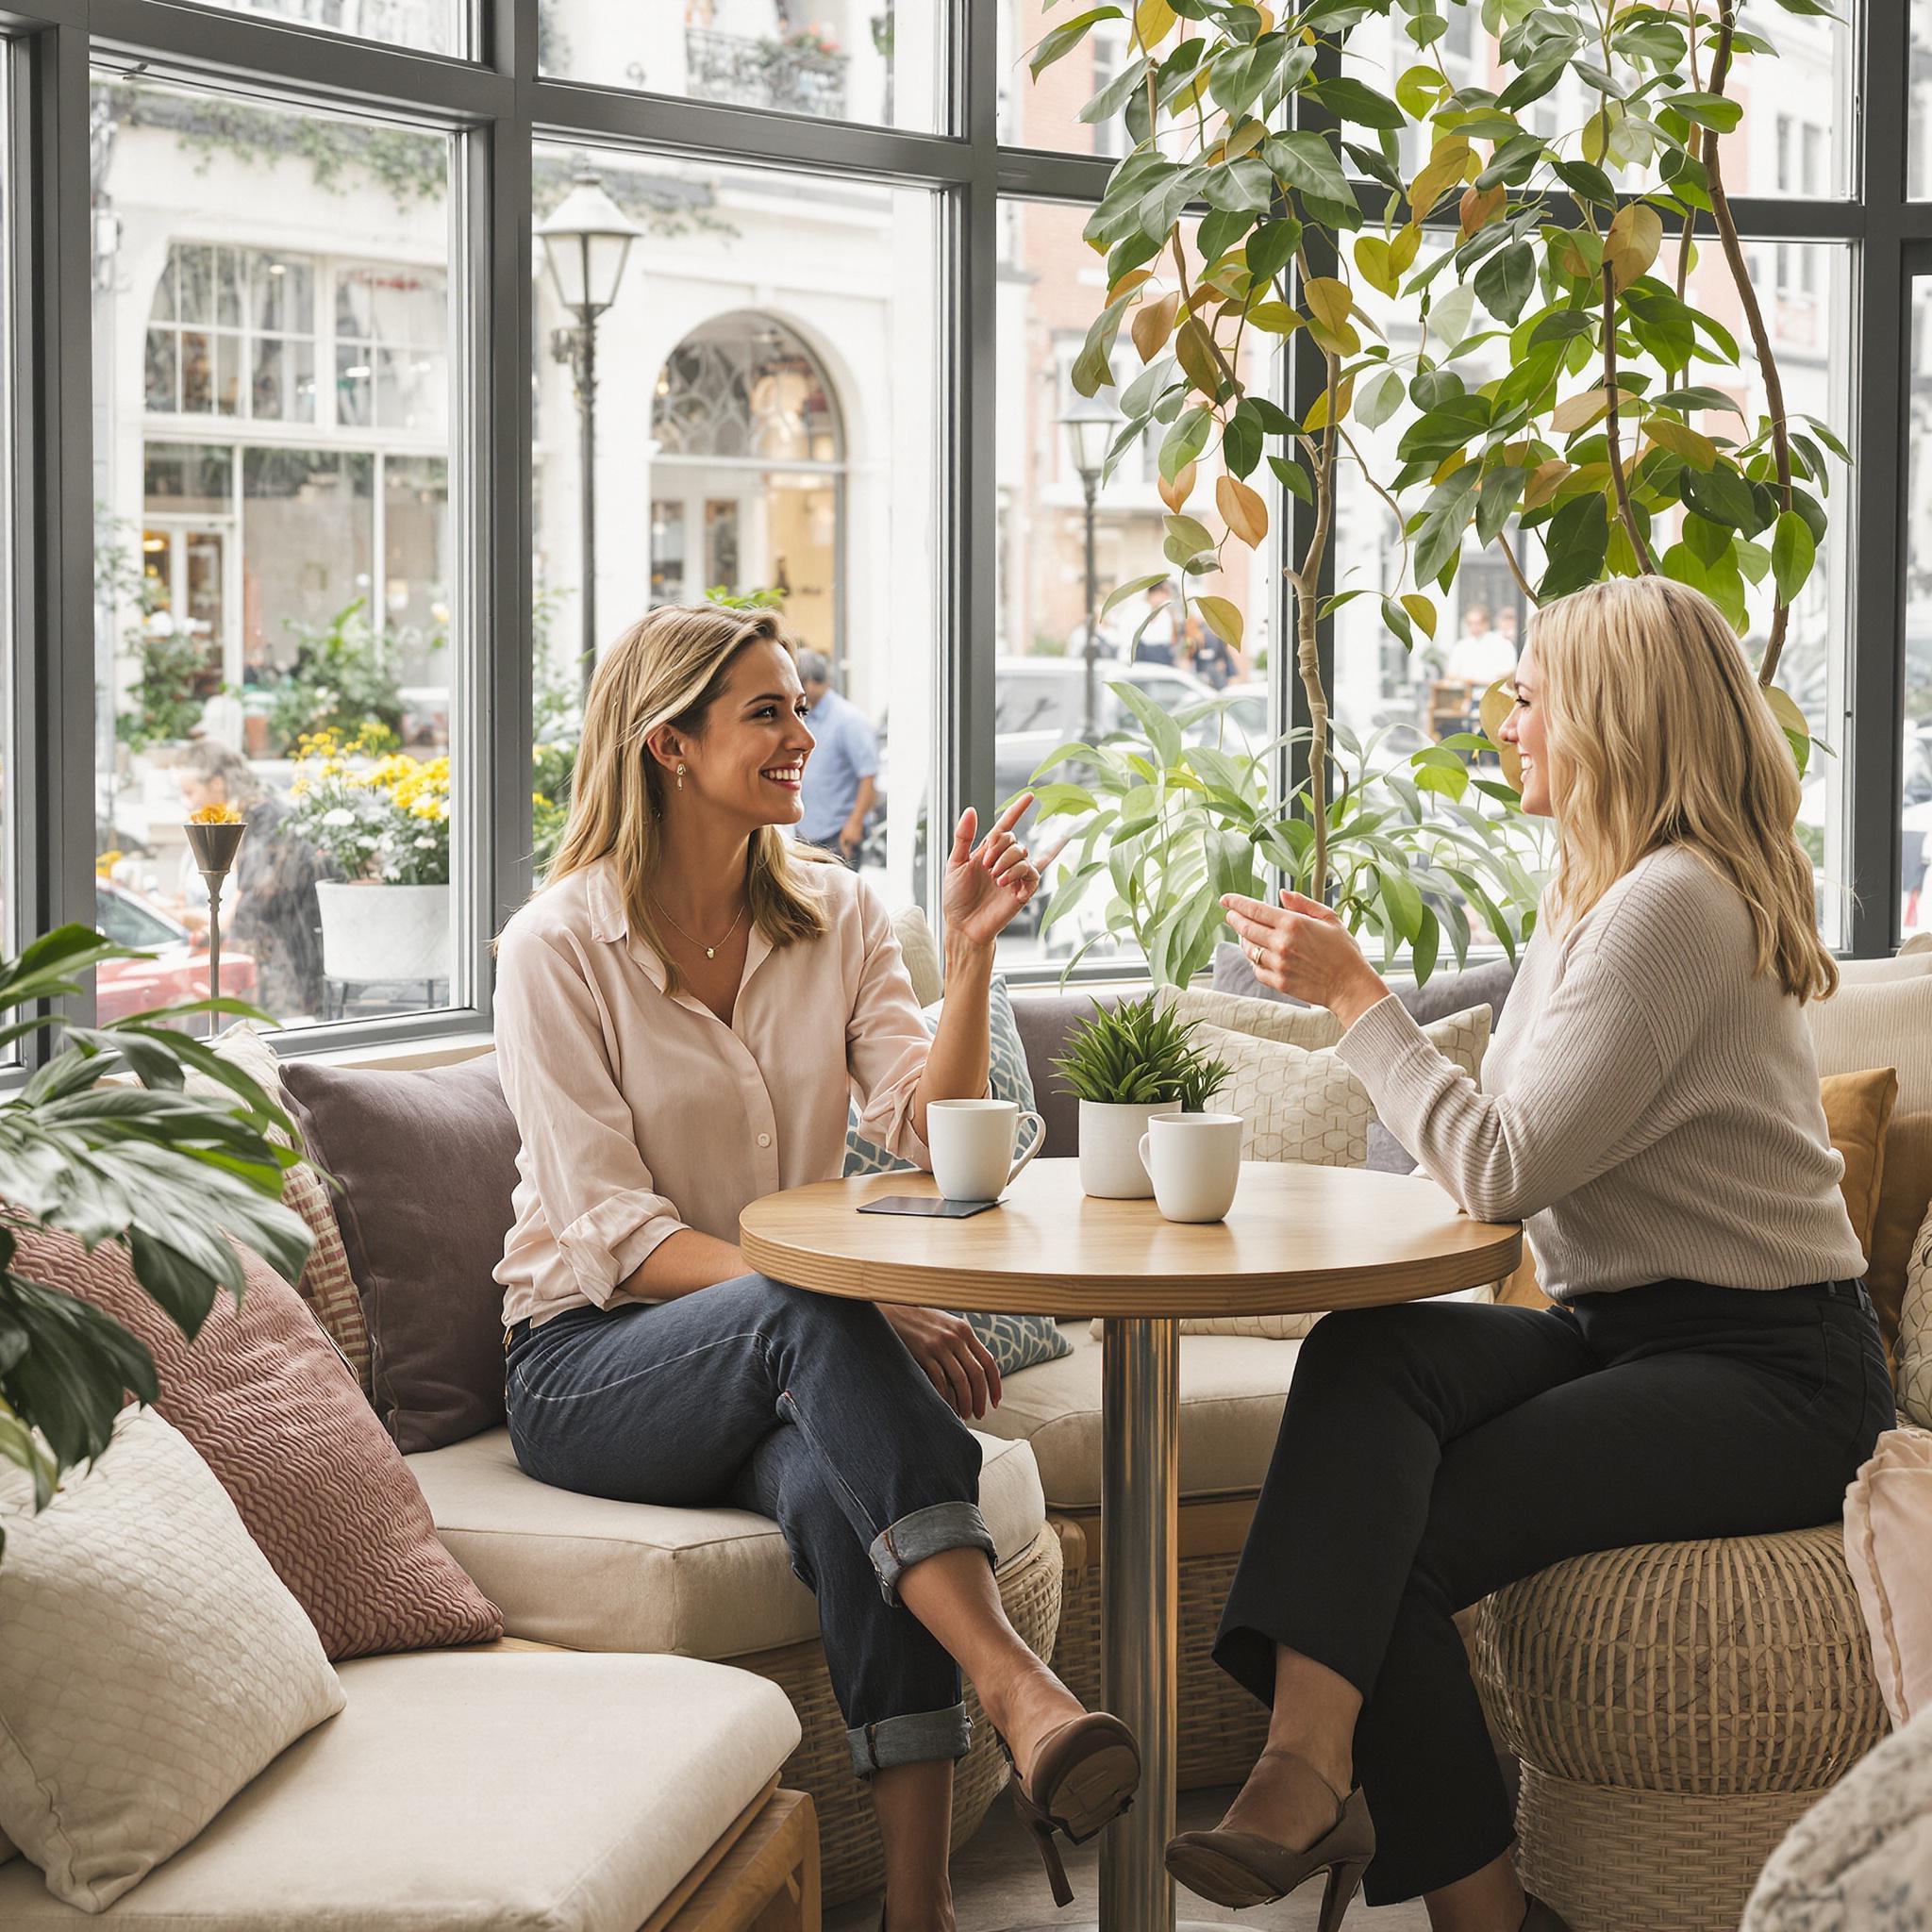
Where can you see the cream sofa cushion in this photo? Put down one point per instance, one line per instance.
(151, 1663)
(594, 1575)
(497, 1794)
(1232, 1391)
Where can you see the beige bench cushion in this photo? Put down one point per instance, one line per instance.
(593, 1574)
(495, 1793)
(1232, 1391)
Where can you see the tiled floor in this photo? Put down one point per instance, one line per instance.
(998, 1884)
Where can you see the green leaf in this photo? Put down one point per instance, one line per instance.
(1066, 37)
(1306, 162)
(1349, 99)
(1505, 281)
(1721, 495)
(1708, 110)
(1793, 551)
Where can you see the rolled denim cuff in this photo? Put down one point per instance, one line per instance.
(921, 1737)
(925, 1533)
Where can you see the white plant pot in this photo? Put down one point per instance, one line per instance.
(370, 931)
(1111, 1164)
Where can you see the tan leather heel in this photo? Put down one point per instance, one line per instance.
(1238, 1869)
(1084, 1775)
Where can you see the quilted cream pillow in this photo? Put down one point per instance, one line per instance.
(1299, 1099)
(1915, 1333)
(151, 1662)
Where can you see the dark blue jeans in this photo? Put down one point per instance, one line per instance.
(1430, 1453)
(802, 1407)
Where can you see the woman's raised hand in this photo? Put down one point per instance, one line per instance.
(1302, 949)
(988, 883)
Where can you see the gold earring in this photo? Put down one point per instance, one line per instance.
(680, 778)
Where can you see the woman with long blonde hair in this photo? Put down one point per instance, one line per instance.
(1711, 1367)
(685, 1012)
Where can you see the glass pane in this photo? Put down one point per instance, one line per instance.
(1918, 104)
(793, 451)
(1047, 691)
(1424, 693)
(1046, 112)
(1792, 140)
(1916, 821)
(436, 26)
(256, 593)
(872, 60)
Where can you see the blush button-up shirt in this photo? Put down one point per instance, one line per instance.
(641, 1112)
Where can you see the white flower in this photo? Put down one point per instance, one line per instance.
(341, 815)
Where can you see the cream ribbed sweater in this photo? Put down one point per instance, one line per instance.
(1649, 1107)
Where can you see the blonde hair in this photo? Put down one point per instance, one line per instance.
(1660, 735)
(668, 668)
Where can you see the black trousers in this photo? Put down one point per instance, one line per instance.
(1431, 1453)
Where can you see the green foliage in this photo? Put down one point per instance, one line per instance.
(1140, 1053)
(1612, 443)
(167, 701)
(760, 597)
(174, 1179)
(340, 680)
(1166, 825)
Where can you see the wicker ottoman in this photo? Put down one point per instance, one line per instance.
(822, 1766)
(1674, 1707)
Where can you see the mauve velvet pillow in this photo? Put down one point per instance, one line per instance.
(426, 1164)
(272, 1408)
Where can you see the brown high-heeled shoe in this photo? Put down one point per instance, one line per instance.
(1084, 1775)
(1239, 1869)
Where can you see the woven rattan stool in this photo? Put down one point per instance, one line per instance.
(821, 1765)
(1674, 1707)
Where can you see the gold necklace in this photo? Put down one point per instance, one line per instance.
(709, 952)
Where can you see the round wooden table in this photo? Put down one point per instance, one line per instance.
(1298, 1240)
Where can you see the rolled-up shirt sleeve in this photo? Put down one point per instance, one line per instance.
(579, 1147)
(887, 1045)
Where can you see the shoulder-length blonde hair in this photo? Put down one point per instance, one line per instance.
(1660, 735)
(668, 668)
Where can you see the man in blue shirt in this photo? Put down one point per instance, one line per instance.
(840, 776)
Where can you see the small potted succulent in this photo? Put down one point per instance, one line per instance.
(1125, 1066)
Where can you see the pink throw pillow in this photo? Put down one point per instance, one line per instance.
(270, 1406)
(1889, 1551)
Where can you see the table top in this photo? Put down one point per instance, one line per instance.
(1298, 1240)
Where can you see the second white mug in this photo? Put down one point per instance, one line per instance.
(1195, 1160)
(972, 1143)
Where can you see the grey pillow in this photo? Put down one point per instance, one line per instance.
(427, 1163)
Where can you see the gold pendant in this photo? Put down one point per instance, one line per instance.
(710, 952)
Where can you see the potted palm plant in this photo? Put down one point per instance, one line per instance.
(1126, 1065)
(168, 1175)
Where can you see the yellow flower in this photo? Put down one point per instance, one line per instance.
(105, 862)
(215, 815)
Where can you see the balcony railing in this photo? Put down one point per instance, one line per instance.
(764, 72)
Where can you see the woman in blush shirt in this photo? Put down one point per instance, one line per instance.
(684, 1013)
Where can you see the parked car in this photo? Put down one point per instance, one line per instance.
(178, 969)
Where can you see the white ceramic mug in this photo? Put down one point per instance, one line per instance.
(972, 1143)
(1195, 1160)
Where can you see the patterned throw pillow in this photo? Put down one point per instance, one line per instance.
(1014, 1342)
(1915, 1333)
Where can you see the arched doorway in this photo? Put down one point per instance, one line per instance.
(748, 478)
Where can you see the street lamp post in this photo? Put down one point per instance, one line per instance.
(1090, 426)
(586, 242)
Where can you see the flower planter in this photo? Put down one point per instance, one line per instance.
(371, 931)
(1111, 1164)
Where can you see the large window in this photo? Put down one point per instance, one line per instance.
(768, 417)
(272, 562)
(296, 401)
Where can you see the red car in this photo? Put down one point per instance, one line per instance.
(177, 970)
